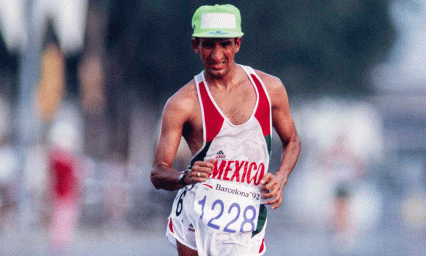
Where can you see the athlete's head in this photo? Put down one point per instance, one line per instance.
(217, 37)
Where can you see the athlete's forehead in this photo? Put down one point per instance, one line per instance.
(216, 39)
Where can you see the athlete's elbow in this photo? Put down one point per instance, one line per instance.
(293, 144)
(298, 142)
(297, 145)
(155, 179)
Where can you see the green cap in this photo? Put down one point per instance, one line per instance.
(217, 21)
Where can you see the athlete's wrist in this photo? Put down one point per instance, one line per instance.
(182, 176)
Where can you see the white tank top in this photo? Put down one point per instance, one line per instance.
(230, 200)
(243, 151)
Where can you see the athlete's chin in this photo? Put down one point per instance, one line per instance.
(217, 72)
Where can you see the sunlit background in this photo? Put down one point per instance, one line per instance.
(83, 83)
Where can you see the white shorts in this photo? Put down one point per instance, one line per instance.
(241, 244)
(209, 242)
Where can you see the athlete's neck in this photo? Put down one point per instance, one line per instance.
(226, 81)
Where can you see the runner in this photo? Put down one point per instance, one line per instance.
(225, 114)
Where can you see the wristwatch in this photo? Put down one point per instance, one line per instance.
(182, 176)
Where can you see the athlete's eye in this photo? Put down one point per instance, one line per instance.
(207, 44)
(226, 44)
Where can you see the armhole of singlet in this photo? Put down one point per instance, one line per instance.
(251, 72)
(198, 79)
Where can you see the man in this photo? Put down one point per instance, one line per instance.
(225, 114)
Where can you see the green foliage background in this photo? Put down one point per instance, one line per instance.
(313, 46)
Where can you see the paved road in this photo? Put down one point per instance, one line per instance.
(282, 239)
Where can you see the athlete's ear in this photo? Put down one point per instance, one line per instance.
(238, 44)
(195, 44)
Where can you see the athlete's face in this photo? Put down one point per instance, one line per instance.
(217, 54)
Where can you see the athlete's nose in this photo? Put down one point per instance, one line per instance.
(217, 54)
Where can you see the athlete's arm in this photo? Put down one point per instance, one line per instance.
(177, 113)
(283, 124)
(173, 118)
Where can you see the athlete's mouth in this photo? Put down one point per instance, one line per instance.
(217, 66)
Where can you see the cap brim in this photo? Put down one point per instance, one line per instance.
(218, 33)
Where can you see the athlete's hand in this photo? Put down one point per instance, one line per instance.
(272, 188)
(200, 171)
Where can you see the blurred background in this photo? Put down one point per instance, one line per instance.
(83, 83)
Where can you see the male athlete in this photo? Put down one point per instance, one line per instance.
(226, 114)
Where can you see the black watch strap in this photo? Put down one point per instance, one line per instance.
(182, 176)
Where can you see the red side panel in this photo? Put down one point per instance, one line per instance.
(262, 246)
(213, 118)
(263, 112)
(171, 225)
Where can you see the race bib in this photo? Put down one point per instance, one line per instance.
(178, 204)
(227, 206)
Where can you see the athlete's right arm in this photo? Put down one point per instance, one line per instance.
(175, 115)
(179, 111)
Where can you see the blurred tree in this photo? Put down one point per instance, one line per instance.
(8, 67)
(314, 46)
(320, 46)
(91, 74)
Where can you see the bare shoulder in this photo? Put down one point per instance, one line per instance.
(274, 86)
(184, 100)
(269, 80)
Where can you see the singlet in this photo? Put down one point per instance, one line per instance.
(243, 151)
(230, 200)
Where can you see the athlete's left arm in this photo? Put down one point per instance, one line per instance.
(283, 124)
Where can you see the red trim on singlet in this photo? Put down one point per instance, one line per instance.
(263, 111)
(171, 225)
(262, 246)
(212, 117)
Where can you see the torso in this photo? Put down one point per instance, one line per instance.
(236, 104)
(239, 124)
